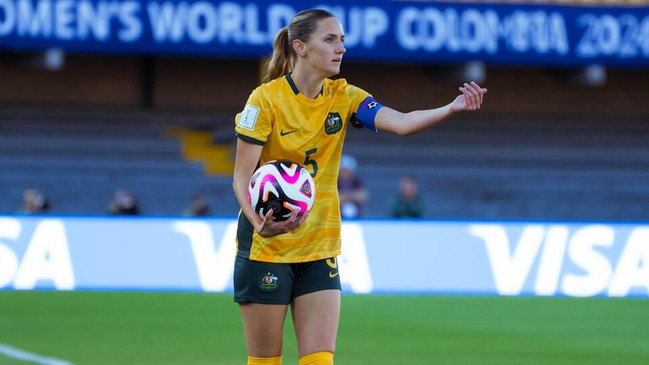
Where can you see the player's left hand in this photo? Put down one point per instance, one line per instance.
(471, 98)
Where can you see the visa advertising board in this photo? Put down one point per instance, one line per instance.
(579, 259)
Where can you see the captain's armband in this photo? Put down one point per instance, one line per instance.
(365, 114)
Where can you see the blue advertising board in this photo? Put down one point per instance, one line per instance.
(408, 31)
(582, 259)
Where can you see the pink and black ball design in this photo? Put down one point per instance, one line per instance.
(282, 186)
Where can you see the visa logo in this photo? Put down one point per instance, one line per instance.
(577, 262)
(46, 258)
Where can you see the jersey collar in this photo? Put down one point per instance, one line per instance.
(291, 83)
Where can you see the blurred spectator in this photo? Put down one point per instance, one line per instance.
(123, 203)
(351, 190)
(199, 206)
(34, 202)
(407, 203)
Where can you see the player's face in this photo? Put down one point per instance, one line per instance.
(325, 47)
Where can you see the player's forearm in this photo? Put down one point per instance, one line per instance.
(240, 187)
(405, 124)
(420, 120)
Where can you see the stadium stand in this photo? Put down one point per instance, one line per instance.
(78, 158)
(539, 168)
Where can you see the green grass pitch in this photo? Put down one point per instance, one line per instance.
(136, 328)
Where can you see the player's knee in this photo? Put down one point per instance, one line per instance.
(318, 358)
(264, 360)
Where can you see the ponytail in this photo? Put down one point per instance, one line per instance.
(281, 62)
(302, 26)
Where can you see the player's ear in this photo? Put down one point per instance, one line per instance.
(299, 47)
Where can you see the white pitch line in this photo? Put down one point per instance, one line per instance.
(19, 354)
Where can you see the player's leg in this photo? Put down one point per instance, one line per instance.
(263, 291)
(316, 311)
(315, 317)
(263, 327)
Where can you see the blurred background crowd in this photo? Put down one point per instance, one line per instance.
(152, 134)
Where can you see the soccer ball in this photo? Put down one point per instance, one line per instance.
(282, 186)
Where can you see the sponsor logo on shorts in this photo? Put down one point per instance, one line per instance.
(268, 282)
(332, 263)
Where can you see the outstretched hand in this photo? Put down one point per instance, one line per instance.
(471, 98)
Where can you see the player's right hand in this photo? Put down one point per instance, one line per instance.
(269, 227)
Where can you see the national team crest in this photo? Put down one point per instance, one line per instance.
(333, 123)
(268, 282)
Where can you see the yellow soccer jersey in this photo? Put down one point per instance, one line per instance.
(310, 132)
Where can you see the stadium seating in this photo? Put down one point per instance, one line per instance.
(485, 168)
(513, 168)
(79, 158)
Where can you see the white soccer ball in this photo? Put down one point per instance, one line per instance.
(282, 186)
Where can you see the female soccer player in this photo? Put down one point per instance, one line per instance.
(301, 115)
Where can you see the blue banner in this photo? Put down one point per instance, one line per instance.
(379, 256)
(410, 31)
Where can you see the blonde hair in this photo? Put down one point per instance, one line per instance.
(302, 26)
